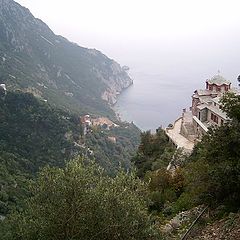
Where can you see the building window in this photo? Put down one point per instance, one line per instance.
(199, 115)
(212, 117)
(210, 87)
(221, 122)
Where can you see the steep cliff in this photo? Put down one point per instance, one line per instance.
(118, 81)
(34, 59)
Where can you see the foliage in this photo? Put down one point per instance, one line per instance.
(231, 105)
(14, 180)
(114, 155)
(213, 174)
(82, 202)
(165, 187)
(154, 152)
(34, 130)
(153, 156)
(34, 134)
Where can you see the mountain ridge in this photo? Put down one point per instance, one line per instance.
(34, 59)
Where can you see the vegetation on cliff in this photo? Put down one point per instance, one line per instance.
(209, 176)
(34, 134)
(112, 155)
(34, 59)
(212, 175)
(154, 152)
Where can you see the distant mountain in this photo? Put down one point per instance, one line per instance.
(67, 81)
(34, 59)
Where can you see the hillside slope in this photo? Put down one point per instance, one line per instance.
(34, 134)
(34, 59)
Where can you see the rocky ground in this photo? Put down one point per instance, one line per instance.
(179, 224)
(206, 228)
(224, 229)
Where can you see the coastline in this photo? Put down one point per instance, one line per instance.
(113, 106)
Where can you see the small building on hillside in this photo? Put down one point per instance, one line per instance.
(112, 139)
(86, 119)
(3, 90)
(104, 122)
(86, 123)
(3, 86)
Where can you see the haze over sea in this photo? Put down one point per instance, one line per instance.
(171, 47)
(164, 81)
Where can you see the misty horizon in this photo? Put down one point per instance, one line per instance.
(206, 40)
(181, 44)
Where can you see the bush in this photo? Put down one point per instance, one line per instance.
(82, 202)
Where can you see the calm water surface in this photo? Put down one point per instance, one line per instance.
(152, 101)
(157, 100)
(166, 74)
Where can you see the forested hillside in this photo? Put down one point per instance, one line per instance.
(114, 155)
(34, 134)
(34, 59)
(161, 205)
(50, 84)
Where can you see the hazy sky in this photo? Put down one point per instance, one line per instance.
(171, 46)
(157, 33)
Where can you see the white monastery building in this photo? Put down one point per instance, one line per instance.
(204, 113)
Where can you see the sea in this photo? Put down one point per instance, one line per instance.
(157, 100)
(166, 73)
(152, 101)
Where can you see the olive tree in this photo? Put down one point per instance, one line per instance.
(81, 202)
